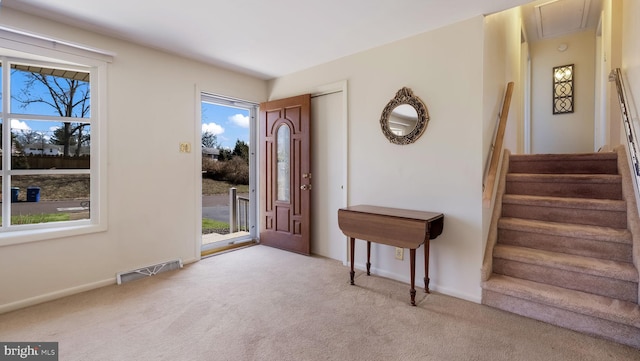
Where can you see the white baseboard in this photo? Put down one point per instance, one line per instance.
(55, 295)
(406, 278)
(191, 260)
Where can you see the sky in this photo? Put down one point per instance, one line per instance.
(227, 123)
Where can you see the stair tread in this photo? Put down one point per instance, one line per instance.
(558, 192)
(593, 266)
(565, 202)
(607, 308)
(564, 178)
(604, 234)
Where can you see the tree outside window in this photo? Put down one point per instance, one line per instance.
(49, 119)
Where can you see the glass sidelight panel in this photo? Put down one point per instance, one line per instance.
(283, 140)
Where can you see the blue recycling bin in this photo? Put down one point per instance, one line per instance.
(33, 194)
(15, 192)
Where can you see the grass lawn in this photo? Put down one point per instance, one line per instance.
(39, 218)
(211, 187)
(213, 226)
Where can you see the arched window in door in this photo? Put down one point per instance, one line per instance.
(283, 141)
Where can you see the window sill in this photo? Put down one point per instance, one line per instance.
(14, 237)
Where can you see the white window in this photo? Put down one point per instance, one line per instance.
(52, 139)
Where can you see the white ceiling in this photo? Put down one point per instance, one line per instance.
(264, 38)
(546, 19)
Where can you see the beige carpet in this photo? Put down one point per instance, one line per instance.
(261, 303)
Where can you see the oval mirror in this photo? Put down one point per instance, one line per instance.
(405, 118)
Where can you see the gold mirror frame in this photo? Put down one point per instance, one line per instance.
(405, 96)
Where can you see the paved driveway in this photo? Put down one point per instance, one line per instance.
(45, 207)
(217, 207)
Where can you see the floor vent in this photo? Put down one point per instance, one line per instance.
(123, 277)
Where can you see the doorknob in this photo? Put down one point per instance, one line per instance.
(304, 187)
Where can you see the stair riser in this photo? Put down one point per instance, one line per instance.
(569, 190)
(569, 245)
(608, 287)
(595, 217)
(564, 167)
(594, 326)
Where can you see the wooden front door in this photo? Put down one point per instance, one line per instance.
(285, 173)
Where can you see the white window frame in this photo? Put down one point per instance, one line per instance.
(17, 45)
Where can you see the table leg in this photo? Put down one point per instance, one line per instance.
(352, 242)
(368, 258)
(426, 265)
(412, 261)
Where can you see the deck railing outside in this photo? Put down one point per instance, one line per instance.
(238, 212)
(242, 223)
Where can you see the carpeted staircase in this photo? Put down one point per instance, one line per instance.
(562, 248)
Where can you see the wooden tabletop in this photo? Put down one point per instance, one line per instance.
(394, 212)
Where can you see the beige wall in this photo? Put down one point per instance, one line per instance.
(631, 50)
(563, 133)
(442, 171)
(612, 35)
(501, 65)
(152, 188)
(630, 67)
(629, 12)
